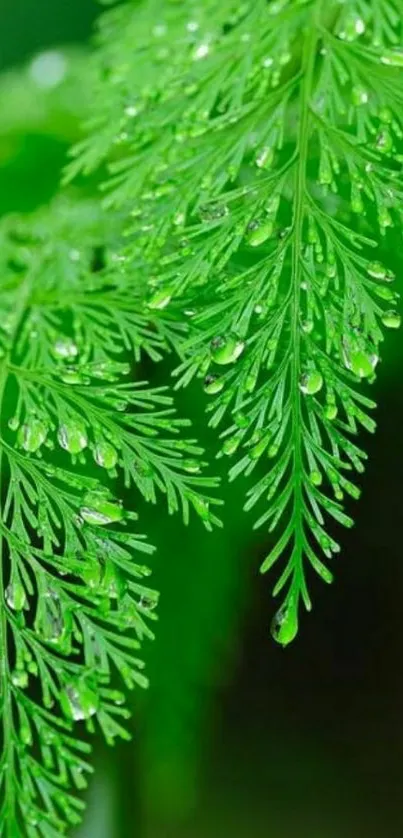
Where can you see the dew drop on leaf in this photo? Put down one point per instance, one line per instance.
(72, 437)
(79, 701)
(391, 319)
(191, 466)
(20, 678)
(361, 363)
(160, 299)
(315, 478)
(378, 271)
(105, 455)
(393, 57)
(16, 597)
(100, 509)
(284, 627)
(65, 349)
(231, 445)
(213, 384)
(311, 382)
(259, 234)
(226, 350)
(149, 601)
(32, 435)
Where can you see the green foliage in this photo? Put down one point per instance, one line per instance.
(76, 605)
(255, 150)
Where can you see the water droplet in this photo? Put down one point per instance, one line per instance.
(48, 69)
(378, 271)
(72, 437)
(14, 423)
(331, 412)
(259, 234)
(16, 597)
(213, 384)
(20, 678)
(311, 382)
(191, 466)
(231, 445)
(202, 507)
(32, 435)
(361, 363)
(112, 582)
(201, 52)
(384, 141)
(105, 455)
(100, 508)
(393, 57)
(315, 478)
(131, 111)
(226, 350)
(65, 349)
(284, 627)
(160, 299)
(149, 601)
(79, 701)
(391, 319)
(265, 158)
(359, 95)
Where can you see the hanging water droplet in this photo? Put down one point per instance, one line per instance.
(105, 455)
(265, 158)
(231, 445)
(65, 348)
(79, 701)
(226, 350)
(384, 141)
(160, 299)
(202, 507)
(311, 382)
(315, 477)
(359, 95)
(149, 601)
(20, 678)
(99, 509)
(331, 411)
(213, 384)
(14, 423)
(391, 319)
(113, 583)
(260, 233)
(393, 57)
(378, 271)
(191, 466)
(284, 627)
(307, 326)
(72, 437)
(32, 435)
(361, 363)
(16, 597)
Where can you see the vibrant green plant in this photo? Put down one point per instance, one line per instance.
(255, 154)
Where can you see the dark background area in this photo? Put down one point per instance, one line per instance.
(236, 736)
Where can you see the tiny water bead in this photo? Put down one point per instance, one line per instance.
(231, 445)
(160, 299)
(65, 349)
(105, 455)
(32, 435)
(378, 271)
(315, 477)
(213, 384)
(391, 319)
(16, 597)
(259, 233)
(284, 627)
(79, 702)
(393, 57)
(99, 508)
(72, 437)
(20, 679)
(359, 95)
(226, 350)
(191, 466)
(311, 382)
(265, 158)
(149, 601)
(331, 411)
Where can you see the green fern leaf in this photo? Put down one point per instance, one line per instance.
(75, 604)
(257, 149)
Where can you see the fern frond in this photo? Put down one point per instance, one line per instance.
(257, 150)
(75, 604)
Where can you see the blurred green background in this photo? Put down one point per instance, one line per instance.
(235, 737)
